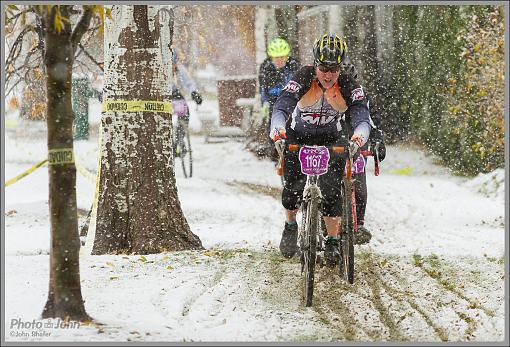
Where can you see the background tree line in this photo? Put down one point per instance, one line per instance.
(437, 75)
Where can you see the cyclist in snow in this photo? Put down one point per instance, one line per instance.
(311, 110)
(376, 139)
(274, 73)
(181, 79)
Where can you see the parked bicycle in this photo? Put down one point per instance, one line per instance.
(182, 142)
(312, 236)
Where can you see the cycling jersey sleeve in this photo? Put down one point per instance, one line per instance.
(357, 103)
(290, 96)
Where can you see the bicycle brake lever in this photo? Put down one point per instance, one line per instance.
(353, 148)
(280, 145)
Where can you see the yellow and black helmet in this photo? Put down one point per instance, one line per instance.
(329, 50)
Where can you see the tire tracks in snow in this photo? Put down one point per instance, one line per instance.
(392, 299)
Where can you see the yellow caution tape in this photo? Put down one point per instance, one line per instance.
(137, 106)
(80, 168)
(60, 156)
(86, 250)
(86, 173)
(25, 173)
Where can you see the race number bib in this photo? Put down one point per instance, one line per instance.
(179, 108)
(358, 165)
(314, 160)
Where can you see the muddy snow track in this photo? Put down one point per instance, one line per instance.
(242, 295)
(394, 298)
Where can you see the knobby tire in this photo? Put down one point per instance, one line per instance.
(312, 225)
(187, 158)
(347, 238)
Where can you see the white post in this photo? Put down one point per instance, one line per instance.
(261, 19)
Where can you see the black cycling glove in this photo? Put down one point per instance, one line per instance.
(382, 151)
(196, 97)
(376, 135)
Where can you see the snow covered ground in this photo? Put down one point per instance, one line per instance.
(434, 270)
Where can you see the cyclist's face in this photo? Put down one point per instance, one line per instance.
(279, 62)
(327, 79)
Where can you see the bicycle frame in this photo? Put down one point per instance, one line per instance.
(313, 192)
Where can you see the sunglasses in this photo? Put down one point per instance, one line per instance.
(325, 68)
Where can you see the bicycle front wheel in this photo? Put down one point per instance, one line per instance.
(311, 228)
(186, 156)
(347, 238)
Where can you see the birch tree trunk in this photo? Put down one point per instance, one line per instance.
(138, 208)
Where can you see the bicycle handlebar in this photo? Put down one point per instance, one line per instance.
(336, 149)
(280, 145)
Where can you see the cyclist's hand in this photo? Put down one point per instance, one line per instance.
(355, 143)
(376, 135)
(382, 151)
(196, 97)
(277, 134)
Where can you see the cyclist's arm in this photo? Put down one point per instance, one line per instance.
(354, 96)
(290, 96)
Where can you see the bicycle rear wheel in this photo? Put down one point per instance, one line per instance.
(309, 247)
(186, 156)
(347, 238)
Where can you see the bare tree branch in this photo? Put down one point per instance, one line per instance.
(15, 17)
(100, 65)
(16, 46)
(12, 87)
(82, 26)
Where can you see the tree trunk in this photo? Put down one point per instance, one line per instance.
(138, 208)
(64, 298)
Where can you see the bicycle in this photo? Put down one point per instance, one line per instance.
(314, 163)
(349, 220)
(312, 236)
(182, 142)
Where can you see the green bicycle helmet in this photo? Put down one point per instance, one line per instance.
(278, 47)
(329, 50)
